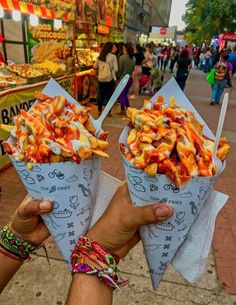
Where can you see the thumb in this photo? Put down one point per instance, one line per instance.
(152, 214)
(30, 208)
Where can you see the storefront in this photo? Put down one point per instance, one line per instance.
(98, 22)
(36, 44)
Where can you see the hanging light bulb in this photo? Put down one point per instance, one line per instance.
(16, 15)
(34, 20)
(1, 12)
(57, 24)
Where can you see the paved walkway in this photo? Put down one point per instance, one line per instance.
(36, 284)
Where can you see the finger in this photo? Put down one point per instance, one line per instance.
(31, 208)
(151, 214)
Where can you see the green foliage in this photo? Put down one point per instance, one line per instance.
(205, 18)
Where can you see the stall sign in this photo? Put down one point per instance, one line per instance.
(86, 10)
(228, 36)
(48, 43)
(103, 29)
(111, 13)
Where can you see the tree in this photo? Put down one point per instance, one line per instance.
(205, 18)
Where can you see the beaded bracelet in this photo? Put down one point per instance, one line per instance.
(98, 255)
(14, 246)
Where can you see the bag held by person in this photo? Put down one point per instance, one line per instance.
(104, 72)
(211, 76)
(220, 70)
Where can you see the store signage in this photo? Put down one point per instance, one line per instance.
(46, 31)
(228, 36)
(163, 31)
(103, 29)
(111, 13)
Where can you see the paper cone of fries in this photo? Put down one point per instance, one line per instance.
(161, 241)
(71, 187)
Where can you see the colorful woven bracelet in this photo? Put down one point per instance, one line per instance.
(105, 263)
(15, 245)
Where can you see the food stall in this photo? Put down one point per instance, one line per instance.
(36, 44)
(97, 22)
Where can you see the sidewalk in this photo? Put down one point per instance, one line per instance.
(37, 284)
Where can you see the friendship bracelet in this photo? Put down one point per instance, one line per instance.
(15, 245)
(98, 255)
(9, 254)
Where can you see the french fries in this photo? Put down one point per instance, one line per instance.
(55, 131)
(168, 139)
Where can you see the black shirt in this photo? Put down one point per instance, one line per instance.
(183, 63)
(139, 58)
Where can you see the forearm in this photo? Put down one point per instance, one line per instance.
(8, 267)
(89, 290)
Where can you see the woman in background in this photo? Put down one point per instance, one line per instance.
(183, 67)
(107, 67)
(139, 57)
(126, 66)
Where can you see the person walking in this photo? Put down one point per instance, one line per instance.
(183, 67)
(215, 56)
(107, 67)
(126, 66)
(139, 57)
(223, 75)
(208, 61)
(173, 59)
(232, 60)
(167, 57)
(148, 63)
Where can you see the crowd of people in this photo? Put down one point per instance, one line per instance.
(147, 66)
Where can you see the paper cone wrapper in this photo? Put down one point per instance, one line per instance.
(71, 187)
(161, 241)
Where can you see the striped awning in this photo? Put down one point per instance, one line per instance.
(40, 11)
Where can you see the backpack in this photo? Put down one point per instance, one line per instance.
(104, 72)
(221, 70)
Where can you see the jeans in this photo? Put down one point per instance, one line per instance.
(166, 63)
(208, 65)
(181, 77)
(106, 90)
(172, 64)
(124, 100)
(217, 90)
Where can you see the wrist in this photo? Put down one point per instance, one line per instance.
(92, 258)
(13, 245)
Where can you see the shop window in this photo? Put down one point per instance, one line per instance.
(15, 53)
(13, 30)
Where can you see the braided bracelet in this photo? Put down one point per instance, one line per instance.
(14, 246)
(99, 256)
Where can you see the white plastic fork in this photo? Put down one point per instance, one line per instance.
(98, 123)
(224, 106)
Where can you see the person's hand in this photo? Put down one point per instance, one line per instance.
(117, 229)
(27, 223)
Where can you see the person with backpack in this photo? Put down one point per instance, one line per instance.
(223, 74)
(107, 67)
(126, 66)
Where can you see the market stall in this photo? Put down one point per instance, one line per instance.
(226, 39)
(98, 22)
(36, 44)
